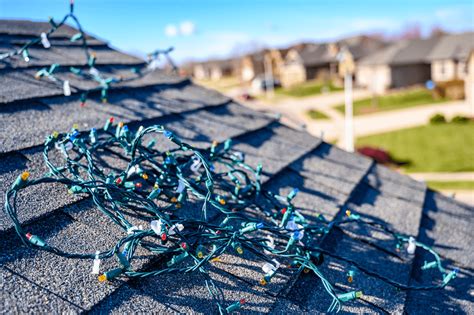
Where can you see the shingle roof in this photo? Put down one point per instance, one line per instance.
(454, 46)
(402, 53)
(320, 53)
(329, 180)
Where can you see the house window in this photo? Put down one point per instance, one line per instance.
(442, 69)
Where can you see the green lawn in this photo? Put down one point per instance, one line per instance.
(315, 114)
(451, 185)
(431, 148)
(307, 89)
(409, 98)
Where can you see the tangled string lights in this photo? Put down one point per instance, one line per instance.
(158, 187)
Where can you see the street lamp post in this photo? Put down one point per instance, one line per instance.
(346, 67)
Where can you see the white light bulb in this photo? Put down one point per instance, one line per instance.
(66, 88)
(267, 267)
(96, 264)
(156, 226)
(181, 186)
(45, 41)
(411, 245)
(178, 226)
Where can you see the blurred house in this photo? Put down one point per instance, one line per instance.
(214, 69)
(276, 59)
(401, 64)
(450, 56)
(252, 65)
(469, 87)
(320, 61)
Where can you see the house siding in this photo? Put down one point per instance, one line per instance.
(376, 78)
(443, 70)
(293, 74)
(469, 85)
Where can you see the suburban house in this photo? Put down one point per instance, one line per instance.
(320, 61)
(252, 65)
(214, 69)
(401, 64)
(469, 83)
(276, 57)
(449, 57)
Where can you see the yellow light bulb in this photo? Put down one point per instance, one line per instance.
(200, 255)
(102, 278)
(145, 176)
(222, 201)
(55, 134)
(215, 259)
(156, 186)
(239, 250)
(263, 281)
(349, 279)
(174, 199)
(75, 126)
(348, 212)
(25, 175)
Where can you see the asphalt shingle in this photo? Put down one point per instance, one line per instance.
(329, 179)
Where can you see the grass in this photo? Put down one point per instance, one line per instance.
(451, 185)
(307, 89)
(408, 98)
(431, 148)
(315, 114)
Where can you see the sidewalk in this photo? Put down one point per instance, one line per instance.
(294, 110)
(443, 177)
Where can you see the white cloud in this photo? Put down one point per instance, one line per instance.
(171, 30)
(187, 28)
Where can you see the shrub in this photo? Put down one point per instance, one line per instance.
(453, 90)
(379, 155)
(437, 119)
(460, 119)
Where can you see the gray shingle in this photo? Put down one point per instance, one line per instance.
(340, 178)
(70, 281)
(36, 200)
(273, 148)
(71, 56)
(18, 85)
(310, 200)
(457, 298)
(25, 27)
(375, 291)
(448, 224)
(184, 293)
(34, 298)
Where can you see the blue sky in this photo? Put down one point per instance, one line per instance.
(199, 29)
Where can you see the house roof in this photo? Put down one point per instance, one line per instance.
(329, 179)
(453, 46)
(320, 53)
